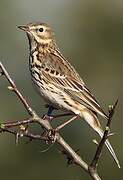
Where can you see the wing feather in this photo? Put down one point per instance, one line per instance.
(61, 74)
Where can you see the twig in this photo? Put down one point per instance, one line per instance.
(14, 88)
(25, 134)
(94, 163)
(17, 123)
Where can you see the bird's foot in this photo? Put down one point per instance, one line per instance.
(46, 117)
(50, 136)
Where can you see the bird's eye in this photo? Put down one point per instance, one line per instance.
(41, 29)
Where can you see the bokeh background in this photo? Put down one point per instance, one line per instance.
(90, 34)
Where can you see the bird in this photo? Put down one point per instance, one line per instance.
(57, 81)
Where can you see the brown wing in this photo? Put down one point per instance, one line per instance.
(58, 71)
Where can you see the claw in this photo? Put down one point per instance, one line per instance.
(46, 117)
(50, 136)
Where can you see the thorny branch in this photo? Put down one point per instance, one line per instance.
(48, 135)
(94, 163)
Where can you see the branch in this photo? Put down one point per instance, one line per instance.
(49, 135)
(94, 163)
(24, 133)
(14, 89)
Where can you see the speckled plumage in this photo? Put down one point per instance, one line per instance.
(57, 81)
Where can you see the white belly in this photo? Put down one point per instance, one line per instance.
(56, 97)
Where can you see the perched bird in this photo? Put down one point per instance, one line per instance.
(57, 81)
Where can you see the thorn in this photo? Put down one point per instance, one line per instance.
(110, 107)
(111, 134)
(10, 88)
(95, 142)
(107, 128)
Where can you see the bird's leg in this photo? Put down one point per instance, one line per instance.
(66, 123)
(49, 113)
(50, 110)
(51, 117)
(51, 133)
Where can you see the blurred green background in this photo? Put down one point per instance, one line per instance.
(90, 34)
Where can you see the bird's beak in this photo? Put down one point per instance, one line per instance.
(24, 28)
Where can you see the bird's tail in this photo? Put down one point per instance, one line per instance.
(92, 120)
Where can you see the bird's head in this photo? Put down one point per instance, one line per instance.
(40, 32)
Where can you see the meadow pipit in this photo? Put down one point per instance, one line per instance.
(57, 81)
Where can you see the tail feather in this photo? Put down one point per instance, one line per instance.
(92, 120)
